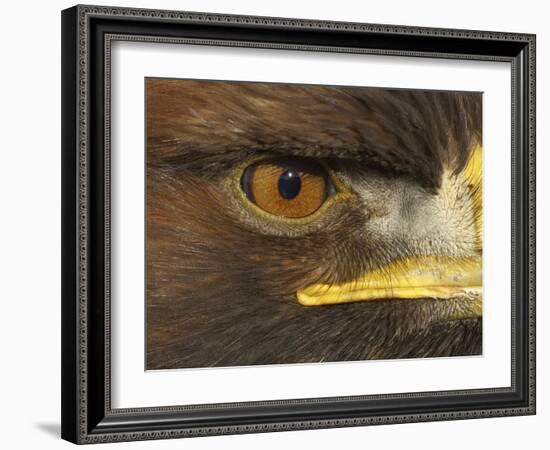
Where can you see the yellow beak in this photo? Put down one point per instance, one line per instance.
(412, 278)
(418, 277)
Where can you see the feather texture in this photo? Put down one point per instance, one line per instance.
(221, 287)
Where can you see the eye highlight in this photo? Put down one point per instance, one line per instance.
(287, 187)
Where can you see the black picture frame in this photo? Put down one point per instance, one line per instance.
(87, 416)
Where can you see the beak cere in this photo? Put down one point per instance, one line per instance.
(417, 277)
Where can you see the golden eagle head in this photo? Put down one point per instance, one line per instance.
(297, 223)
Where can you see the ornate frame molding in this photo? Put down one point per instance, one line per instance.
(80, 415)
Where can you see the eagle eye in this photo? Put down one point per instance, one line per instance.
(287, 187)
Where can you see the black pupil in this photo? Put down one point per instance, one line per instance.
(290, 184)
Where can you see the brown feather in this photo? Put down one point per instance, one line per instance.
(221, 293)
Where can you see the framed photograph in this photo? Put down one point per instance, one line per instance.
(281, 224)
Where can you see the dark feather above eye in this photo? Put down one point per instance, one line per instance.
(418, 133)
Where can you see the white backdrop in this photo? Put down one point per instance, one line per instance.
(30, 237)
(133, 387)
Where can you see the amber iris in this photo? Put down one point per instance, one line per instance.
(290, 187)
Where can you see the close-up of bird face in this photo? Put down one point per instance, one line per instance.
(293, 223)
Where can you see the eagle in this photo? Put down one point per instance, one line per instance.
(291, 223)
